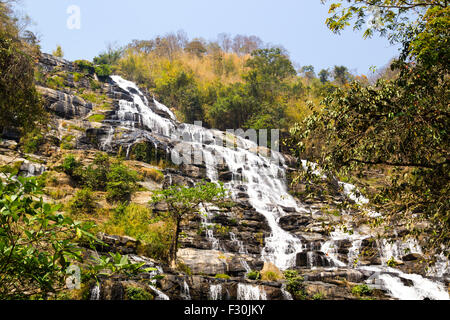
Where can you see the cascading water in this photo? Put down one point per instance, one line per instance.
(250, 292)
(263, 177)
(215, 292)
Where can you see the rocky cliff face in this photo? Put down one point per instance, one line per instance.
(235, 240)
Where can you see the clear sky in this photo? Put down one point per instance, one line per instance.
(297, 25)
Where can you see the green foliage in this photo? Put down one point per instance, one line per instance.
(222, 276)
(121, 183)
(55, 82)
(294, 284)
(183, 201)
(103, 70)
(138, 222)
(362, 290)
(20, 106)
(318, 296)
(136, 293)
(254, 275)
(58, 52)
(84, 66)
(114, 264)
(391, 262)
(71, 165)
(399, 125)
(97, 118)
(270, 276)
(110, 57)
(37, 244)
(83, 202)
(31, 141)
(66, 142)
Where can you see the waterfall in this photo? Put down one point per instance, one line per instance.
(159, 294)
(264, 179)
(95, 292)
(250, 292)
(215, 292)
(263, 176)
(185, 293)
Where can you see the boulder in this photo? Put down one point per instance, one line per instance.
(64, 105)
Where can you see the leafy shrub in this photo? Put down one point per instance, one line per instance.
(103, 70)
(294, 284)
(153, 174)
(37, 244)
(83, 202)
(392, 262)
(55, 82)
(155, 233)
(85, 66)
(96, 174)
(362, 290)
(77, 76)
(121, 183)
(31, 141)
(254, 275)
(66, 142)
(71, 165)
(318, 296)
(270, 276)
(136, 293)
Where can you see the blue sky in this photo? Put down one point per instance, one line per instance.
(297, 25)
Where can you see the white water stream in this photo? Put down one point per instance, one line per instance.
(264, 180)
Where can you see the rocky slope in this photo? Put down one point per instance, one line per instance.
(331, 248)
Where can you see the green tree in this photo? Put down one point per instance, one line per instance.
(401, 124)
(121, 183)
(58, 52)
(37, 244)
(341, 75)
(20, 106)
(308, 72)
(324, 75)
(183, 201)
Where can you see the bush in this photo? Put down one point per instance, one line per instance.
(362, 290)
(294, 284)
(96, 174)
(121, 183)
(254, 275)
(83, 202)
(70, 165)
(270, 276)
(66, 142)
(222, 276)
(137, 221)
(31, 141)
(103, 70)
(85, 66)
(37, 244)
(136, 293)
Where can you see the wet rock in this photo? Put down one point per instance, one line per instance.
(196, 172)
(312, 259)
(412, 257)
(294, 221)
(226, 176)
